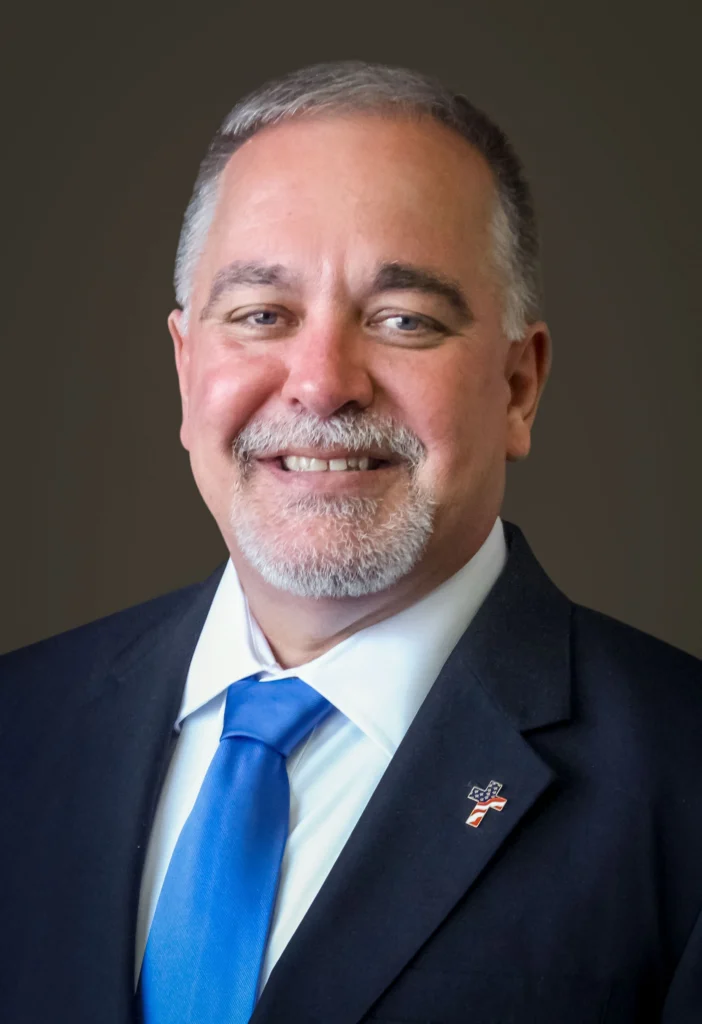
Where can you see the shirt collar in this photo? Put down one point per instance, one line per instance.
(379, 677)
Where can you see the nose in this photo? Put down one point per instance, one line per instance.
(327, 371)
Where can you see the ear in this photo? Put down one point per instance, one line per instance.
(528, 367)
(181, 346)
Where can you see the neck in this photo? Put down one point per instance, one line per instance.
(300, 629)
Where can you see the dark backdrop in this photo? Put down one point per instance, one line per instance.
(108, 109)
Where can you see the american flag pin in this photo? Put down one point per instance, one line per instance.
(485, 800)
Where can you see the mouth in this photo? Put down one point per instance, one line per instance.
(349, 464)
(310, 471)
(329, 462)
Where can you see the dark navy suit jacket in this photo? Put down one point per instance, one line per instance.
(578, 903)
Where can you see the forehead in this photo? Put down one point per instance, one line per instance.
(358, 188)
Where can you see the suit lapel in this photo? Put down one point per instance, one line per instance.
(123, 729)
(412, 856)
(158, 667)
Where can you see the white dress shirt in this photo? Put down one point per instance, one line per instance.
(376, 679)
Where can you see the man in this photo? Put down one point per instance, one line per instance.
(377, 767)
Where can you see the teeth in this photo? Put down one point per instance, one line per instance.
(302, 464)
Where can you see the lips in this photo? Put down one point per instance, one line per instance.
(340, 474)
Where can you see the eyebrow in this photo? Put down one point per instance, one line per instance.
(393, 276)
(241, 272)
(408, 277)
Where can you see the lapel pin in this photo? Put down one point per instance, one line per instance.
(485, 800)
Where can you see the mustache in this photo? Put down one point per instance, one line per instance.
(357, 432)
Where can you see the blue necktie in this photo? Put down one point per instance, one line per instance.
(205, 948)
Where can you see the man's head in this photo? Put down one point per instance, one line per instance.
(358, 275)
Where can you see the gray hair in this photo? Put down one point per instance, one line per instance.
(357, 87)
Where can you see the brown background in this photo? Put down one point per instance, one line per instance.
(107, 114)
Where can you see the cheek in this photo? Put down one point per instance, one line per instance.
(225, 394)
(458, 408)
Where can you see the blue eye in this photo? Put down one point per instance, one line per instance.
(257, 318)
(405, 322)
(264, 317)
(419, 330)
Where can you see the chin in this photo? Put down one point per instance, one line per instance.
(332, 548)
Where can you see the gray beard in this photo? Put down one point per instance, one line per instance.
(362, 552)
(360, 556)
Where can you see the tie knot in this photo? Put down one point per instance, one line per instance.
(277, 712)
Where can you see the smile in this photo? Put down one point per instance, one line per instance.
(303, 464)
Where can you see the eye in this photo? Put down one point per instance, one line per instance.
(259, 318)
(412, 326)
(263, 319)
(405, 322)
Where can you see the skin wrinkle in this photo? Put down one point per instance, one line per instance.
(240, 273)
(403, 277)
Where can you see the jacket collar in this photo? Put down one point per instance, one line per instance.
(518, 645)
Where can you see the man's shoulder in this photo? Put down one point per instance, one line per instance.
(603, 641)
(88, 649)
(642, 692)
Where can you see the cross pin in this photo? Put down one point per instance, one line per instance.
(485, 800)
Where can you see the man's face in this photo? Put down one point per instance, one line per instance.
(345, 306)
